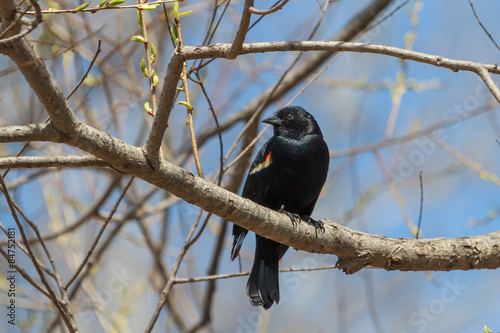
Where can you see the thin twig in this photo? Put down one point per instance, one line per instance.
(238, 274)
(421, 204)
(65, 311)
(247, 148)
(219, 135)
(484, 74)
(319, 73)
(55, 273)
(25, 275)
(20, 246)
(88, 69)
(383, 19)
(467, 161)
(170, 282)
(99, 234)
(210, 290)
(93, 211)
(399, 90)
(189, 107)
(271, 10)
(149, 61)
(96, 9)
(482, 26)
(395, 192)
(411, 136)
(219, 51)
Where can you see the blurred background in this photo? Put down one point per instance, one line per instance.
(416, 118)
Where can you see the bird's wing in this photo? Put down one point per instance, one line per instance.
(256, 187)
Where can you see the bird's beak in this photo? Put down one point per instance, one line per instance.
(273, 120)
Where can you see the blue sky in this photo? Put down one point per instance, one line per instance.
(322, 301)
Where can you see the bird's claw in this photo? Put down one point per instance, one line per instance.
(295, 218)
(318, 225)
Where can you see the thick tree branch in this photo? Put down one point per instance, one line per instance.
(355, 249)
(8, 11)
(32, 24)
(31, 132)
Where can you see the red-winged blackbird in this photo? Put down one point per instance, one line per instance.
(287, 174)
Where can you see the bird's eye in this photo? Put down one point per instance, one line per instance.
(289, 116)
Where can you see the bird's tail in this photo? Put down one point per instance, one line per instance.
(263, 284)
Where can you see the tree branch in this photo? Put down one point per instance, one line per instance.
(31, 132)
(355, 249)
(74, 161)
(232, 275)
(271, 10)
(239, 39)
(219, 51)
(165, 105)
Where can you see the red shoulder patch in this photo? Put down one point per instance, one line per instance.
(262, 165)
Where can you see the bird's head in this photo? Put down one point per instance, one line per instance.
(293, 122)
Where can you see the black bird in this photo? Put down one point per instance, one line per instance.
(287, 175)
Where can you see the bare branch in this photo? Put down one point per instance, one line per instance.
(92, 211)
(485, 75)
(219, 50)
(93, 10)
(99, 234)
(74, 161)
(231, 275)
(482, 26)
(239, 39)
(32, 132)
(88, 70)
(271, 10)
(61, 305)
(426, 131)
(165, 105)
(25, 275)
(32, 24)
(170, 281)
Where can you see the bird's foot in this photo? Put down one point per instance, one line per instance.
(295, 218)
(318, 225)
